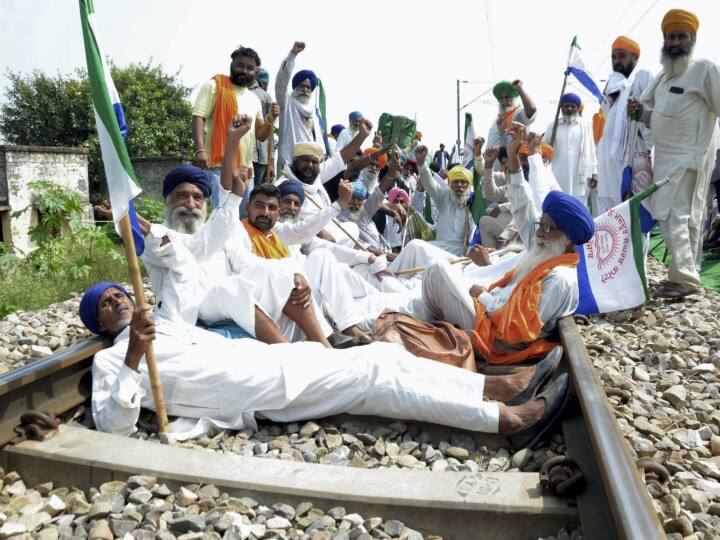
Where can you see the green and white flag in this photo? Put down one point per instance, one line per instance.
(123, 186)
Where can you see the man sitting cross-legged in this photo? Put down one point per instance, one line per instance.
(511, 318)
(227, 383)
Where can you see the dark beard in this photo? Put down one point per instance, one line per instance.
(240, 80)
(302, 178)
(625, 71)
(677, 53)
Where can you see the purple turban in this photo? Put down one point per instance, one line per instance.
(570, 215)
(292, 187)
(302, 75)
(571, 98)
(336, 129)
(89, 304)
(186, 173)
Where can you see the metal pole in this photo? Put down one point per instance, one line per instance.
(457, 82)
(557, 112)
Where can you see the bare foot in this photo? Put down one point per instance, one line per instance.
(505, 387)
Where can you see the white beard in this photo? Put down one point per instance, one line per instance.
(539, 254)
(675, 67)
(288, 218)
(461, 199)
(570, 118)
(302, 98)
(183, 220)
(354, 215)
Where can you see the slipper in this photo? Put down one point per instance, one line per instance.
(674, 291)
(555, 396)
(545, 369)
(340, 341)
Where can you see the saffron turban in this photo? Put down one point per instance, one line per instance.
(305, 75)
(263, 77)
(570, 215)
(459, 173)
(504, 88)
(571, 98)
(292, 187)
(336, 129)
(546, 151)
(679, 19)
(90, 301)
(398, 193)
(359, 189)
(355, 115)
(308, 149)
(624, 43)
(186, 173)
(382, 158)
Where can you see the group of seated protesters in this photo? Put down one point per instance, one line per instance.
(270, 316)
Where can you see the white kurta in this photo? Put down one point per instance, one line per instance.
(574, 160)
(226, 383)
(292, 128)
(345, 137)
(454, 223)
(445, 291)
(682, 113)
(611, 147)
(495, 139)
(369, 233)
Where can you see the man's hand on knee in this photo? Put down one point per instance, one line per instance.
(302, 294)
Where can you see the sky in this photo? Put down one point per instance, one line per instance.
(400, 57)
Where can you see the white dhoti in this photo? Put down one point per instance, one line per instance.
(446, 295)
(491, 228)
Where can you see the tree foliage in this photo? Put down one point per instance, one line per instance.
(57, 111)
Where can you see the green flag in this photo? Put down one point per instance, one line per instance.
(396, 128)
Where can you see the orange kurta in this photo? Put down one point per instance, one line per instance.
(517, 322)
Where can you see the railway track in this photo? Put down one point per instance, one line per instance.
(612, 504)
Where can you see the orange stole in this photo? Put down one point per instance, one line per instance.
(506, 118)
(267, 247)
(518, 320)
(226, 108)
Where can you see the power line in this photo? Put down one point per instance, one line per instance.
(612, 28)
(490, 39)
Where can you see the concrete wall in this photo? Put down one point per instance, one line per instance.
(151, 172)
(20, 165)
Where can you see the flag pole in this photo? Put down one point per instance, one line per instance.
(136, 280)
(562, 93)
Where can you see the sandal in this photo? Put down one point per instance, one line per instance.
(674, 291)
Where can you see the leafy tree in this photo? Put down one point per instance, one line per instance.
(57, 111)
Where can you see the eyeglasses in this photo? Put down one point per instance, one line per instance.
(545, 227)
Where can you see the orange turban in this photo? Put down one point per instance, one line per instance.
(679, 19)
(546, 151)
(626, 44)
(382, 159)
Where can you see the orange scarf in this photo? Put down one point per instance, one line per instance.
(517, 322)
(506, 119)
(267, 247)
(226, 108)
(598, 125)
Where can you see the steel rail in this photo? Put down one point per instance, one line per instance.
(630, 506)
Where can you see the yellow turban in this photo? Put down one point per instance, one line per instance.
(459, 173)
(308, 149)
(679, 19)
(626, 44)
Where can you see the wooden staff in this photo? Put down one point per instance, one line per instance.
(336, 222)
(155, 385)
(422, 268)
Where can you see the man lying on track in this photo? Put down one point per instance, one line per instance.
(210, 380)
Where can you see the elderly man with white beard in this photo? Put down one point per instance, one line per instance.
(511, 318)
(454, 222)
(681, 107)
(355, 118)
(574, 162)
(299, 118)
(509, 110)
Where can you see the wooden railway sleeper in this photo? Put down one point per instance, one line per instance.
(561, 476)
(36, 426)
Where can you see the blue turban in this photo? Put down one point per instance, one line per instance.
(359, 189)
(302, 75)
(571, 98)
(263, 76)
(186, 173)
(336, 129)
(570, 215)
(355, 115)
(89, 304)
(292, 187)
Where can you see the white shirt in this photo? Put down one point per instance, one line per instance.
(574, 160)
